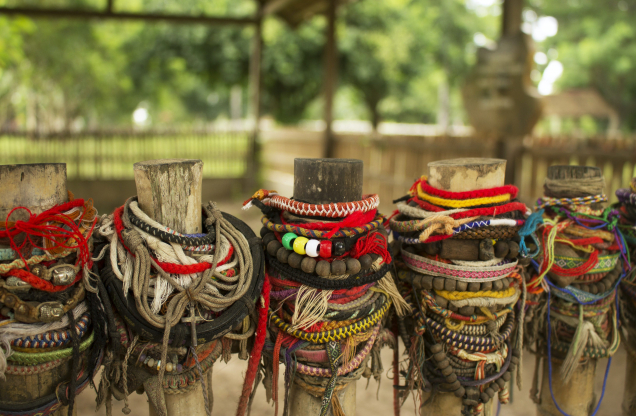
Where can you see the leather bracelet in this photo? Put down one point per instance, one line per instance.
(44, 312)
(164, 236)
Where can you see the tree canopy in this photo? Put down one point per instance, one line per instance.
(399, 60)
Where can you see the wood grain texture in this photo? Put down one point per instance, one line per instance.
(169, 191)
(467, 174)
(38, 187)
(323, 181)
(576, 398)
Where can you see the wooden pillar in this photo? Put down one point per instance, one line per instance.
(461, 175)
(254, 149)
(577, 397)
(322, 181)
(169, 192)
(38, 187)
(629, 395)
(330, 77)
(511, 17)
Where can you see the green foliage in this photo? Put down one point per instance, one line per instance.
(596, 43)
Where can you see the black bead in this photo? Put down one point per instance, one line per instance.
(338, 248)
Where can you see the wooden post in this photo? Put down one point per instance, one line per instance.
(38, 187)
(460, 175)
(577, 397)
(320, 181)
(169, 192)
(254, 150)
(629, 395)
(330, 77)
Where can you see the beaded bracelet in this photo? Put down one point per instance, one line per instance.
(462, 273)
(334, 334)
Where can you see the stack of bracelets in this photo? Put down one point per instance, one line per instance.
(177, 301)
(627, 207)
(582, 260)
(332, 287)
(461, 340)
(52, 317)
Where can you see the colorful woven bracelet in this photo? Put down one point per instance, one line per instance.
(334, 210)
(53, 338)
(461, 273)
(605, 263)
(343, 232)
(31, 358)
(479, 193)
(626, 196)
(461, 203)
(546, 201)
(334, 334)
(349, 367)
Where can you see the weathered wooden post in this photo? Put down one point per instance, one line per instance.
(169, 192)
(325, 181)
(627, 207)
(37, 187)
(461, 175)
(576, 397)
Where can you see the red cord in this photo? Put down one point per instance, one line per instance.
(479, 193)
(356, 219)
(257, 349)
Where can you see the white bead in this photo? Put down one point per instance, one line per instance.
(312, 248)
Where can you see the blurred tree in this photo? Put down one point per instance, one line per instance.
(596, 43)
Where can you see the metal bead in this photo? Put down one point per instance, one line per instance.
(63, 275)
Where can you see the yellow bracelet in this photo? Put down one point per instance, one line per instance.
(461, 203)
(481, 294)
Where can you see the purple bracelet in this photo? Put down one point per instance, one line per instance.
(626, 196)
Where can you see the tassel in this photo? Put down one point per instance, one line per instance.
(311, 306)
(387, 286)
(585, 334)
(336, 407)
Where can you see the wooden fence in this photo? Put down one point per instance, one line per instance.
(393, 162)
(108, 156)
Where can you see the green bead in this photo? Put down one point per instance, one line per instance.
(288, 240)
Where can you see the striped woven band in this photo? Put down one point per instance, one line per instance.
(461, 273)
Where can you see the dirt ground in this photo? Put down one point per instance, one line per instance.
(371, 400)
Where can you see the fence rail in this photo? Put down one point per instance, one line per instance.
(393, 162)
(98, 156)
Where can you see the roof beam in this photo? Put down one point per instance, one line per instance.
(154, 17)
(273, 6)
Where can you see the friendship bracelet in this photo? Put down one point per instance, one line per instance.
(31, 358)
(349, 367)
(343, 232)
(333, 210)
(461, 203)
(547, 201)
(334, 334)
(462, 273)
(478, 193)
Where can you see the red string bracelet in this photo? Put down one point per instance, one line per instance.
(479, 193)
